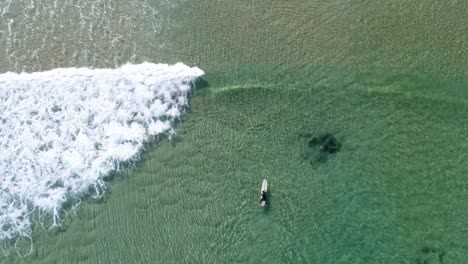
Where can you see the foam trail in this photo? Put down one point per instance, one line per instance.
(63, 130)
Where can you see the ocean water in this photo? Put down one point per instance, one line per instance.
(387, 80)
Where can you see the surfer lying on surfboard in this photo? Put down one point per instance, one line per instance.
(263, 193)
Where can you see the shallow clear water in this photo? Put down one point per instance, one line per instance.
(387, 79)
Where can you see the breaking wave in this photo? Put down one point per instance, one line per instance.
(62, 131)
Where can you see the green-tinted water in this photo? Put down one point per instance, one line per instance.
(387, 79)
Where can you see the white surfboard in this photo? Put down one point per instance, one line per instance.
(265, 185)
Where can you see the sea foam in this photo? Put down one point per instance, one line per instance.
(62, 131)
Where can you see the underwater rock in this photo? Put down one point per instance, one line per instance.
(326, 143)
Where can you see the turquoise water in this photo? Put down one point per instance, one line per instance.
(388, 80)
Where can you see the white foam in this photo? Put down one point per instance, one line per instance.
(63, 130)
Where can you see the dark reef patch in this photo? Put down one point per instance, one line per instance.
(327, 142)
(320, 147)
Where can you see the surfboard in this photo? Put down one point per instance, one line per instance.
(264, 185)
